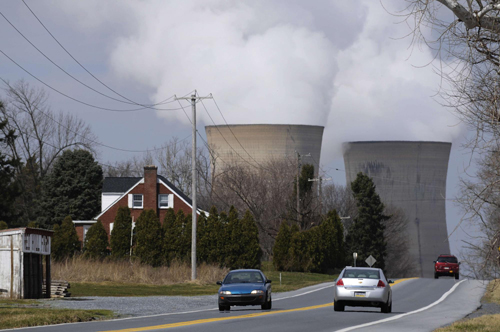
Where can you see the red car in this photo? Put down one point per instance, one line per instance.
(446, 265)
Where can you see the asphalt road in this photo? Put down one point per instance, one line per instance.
(418, 305)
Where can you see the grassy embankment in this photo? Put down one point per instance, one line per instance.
(23, 313)
(486, 323)
(89, 278)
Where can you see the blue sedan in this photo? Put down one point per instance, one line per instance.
(244, 287)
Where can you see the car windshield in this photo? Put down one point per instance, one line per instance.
(361, 273)
(243, 277)
(447, 260)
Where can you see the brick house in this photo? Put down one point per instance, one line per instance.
(152, 191)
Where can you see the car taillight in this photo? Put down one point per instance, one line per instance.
(340, 283)
(380, 284)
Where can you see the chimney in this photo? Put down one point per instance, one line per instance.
(150, 191)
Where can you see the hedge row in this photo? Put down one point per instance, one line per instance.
(319, 249)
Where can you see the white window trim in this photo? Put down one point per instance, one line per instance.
(170, 198)
(131, 201)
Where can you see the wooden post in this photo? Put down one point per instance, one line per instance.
(48, 281)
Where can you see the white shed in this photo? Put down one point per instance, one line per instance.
(21, 262)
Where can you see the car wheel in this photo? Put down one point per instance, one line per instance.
(267, 305)
(457, 276)
(436, 276)
(338, 306)
(222, 307)
(386, 307)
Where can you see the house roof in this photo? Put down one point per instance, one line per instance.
(123, 184)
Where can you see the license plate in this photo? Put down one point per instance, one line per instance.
(359, 294)
(446, 268)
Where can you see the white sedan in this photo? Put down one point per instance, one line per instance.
(362, 287)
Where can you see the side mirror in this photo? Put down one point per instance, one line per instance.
(268, 281)
(219, 283)
(391, 281)
(434, 262)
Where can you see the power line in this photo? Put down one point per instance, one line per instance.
(79, 101)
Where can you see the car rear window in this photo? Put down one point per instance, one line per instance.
(447, 260)
(361, 273)
(243, 277)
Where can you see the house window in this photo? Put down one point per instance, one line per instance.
(163, 201)
(137, 201)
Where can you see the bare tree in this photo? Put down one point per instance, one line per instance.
(469, 45)
(42, 136)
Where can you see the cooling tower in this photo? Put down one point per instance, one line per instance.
(256, 144)
(412, 177)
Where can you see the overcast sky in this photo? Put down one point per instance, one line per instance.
(341, 64)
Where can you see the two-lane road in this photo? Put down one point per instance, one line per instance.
(418, 305)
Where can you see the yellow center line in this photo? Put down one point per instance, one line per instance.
(211, 320)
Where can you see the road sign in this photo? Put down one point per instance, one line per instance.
(370, 260)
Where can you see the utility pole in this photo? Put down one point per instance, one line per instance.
(320, 180)
(193, 99)
(298, 196)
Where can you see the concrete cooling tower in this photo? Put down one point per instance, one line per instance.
(412, 177)
(256, 144)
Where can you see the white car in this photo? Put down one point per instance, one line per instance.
(362, 287)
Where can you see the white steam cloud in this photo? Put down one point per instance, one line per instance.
(331, 63)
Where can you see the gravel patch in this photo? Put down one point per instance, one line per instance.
(137, 306)
(154, 305)
(486, 308)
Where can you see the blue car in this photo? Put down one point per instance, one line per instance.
(244, 287)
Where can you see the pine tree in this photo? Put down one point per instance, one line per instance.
(73, 187)
(201, 247)
(249, 248)
(332, 233)
(171, 234)
(149, 238)
(186, 237)
(233, 247)
(366, 234)
(213, 237)
(120, 235)
(65, 241)
(96, 242)
(281, 249)
(9, 188)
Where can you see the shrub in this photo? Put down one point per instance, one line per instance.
(149, 238)
(170, 236)
(96, 242)
(65, 241)
(3, 225)
(281, 249)
(120, 235)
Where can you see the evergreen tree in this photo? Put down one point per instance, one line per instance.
(366, 234)
(171, 235)
(186, 238)
(65, 241)
(201, 247)
(73, 187)
(9, 189)
(3, 225)
(120, 235)
(214, 241)
(332, 233)
(233, 247)
(281, 249)
(96, 242)
(249, 248)
(148, 246)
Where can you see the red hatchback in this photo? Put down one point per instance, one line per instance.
(446, 265)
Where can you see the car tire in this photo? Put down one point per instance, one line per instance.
(267, 305)
(338, 306)
(457, 275)
(436, 276)
(222, 307)
(386, 307)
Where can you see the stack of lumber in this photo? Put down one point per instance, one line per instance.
(58, 288)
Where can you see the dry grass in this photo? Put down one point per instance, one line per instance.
(486, 323)
(78, 269)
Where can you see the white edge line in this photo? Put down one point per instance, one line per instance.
(157, 315)
(441, 299)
